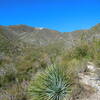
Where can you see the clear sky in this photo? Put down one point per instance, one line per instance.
(61, 15)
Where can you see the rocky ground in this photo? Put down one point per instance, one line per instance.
(91, 82)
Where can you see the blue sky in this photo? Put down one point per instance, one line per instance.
(61, 15)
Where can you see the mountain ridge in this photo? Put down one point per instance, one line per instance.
(43, 36)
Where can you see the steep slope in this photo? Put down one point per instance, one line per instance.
(7, 44)
(30, 35)
(42, 36)
(88, 35)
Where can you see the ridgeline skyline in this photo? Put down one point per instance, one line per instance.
(61, 15)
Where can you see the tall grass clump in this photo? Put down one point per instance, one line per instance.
(54, 83)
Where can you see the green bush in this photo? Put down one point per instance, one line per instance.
(54, 84)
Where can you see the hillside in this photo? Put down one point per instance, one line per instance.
(30, 35)
(42, 36)
(26, 51)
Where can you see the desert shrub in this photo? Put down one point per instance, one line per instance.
(80, 52)
(8, 78)
(53, 84)
(7, 74)
(77, 57)
(83, 51)
(96, 52)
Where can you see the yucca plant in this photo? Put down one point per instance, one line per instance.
(53, 84)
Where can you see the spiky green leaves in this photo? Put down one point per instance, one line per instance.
(53, 84)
